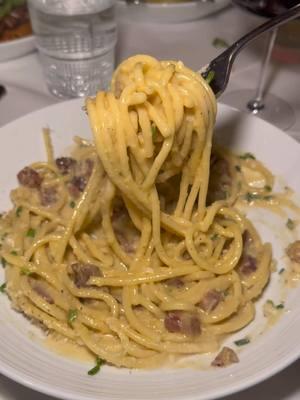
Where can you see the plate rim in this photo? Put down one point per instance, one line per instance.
(15, 48)
(19, 41)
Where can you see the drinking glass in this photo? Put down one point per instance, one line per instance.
(265, 105)
(76, 41)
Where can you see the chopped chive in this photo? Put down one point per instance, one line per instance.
(13, 253)
(268, 188)
(252, 196)
(30, 233)
(3, 262)
(154, 132)
(238, 168)
(210, 77)
(96, 368)
(72, 315)
(290, 224)
(281, 271)
(245, 156)
(279, 306)
(72, 204)
(242, 342)
(214, 236)
(249, 196)
(18, 211)
(26, 271)
(219, 42)
(2, 288)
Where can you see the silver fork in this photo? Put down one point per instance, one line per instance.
(217, 72)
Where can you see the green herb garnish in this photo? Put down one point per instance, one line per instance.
(18, 211)
(2, 288)
(238, 168)
(3, 262)
(72, 315)
(214, 236)
(279, 306)
(219, 42)
(26, 271)
(252, 196)
(96, 368)
(242, 342)
(13, 253)
(281, 271)
(246, 156)
(210, 77)
(290, 224)
(30, 233)
(154, 132)
(72, 204)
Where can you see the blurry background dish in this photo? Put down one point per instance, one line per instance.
(16, 48)
(14, 20)
(15, 29)
(169, 10)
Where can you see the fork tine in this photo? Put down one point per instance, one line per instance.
(221, 67)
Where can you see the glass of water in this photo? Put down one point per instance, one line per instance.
(76, 40)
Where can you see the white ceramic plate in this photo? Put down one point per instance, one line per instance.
(170, 12)
(16, 48)
(25, 360)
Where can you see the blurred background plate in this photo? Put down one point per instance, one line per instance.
(16, 48)
(169, 11)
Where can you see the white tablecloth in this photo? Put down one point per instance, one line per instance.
(192, 43)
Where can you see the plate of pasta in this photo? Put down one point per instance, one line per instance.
(149, 243)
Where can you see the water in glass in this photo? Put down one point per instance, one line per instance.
(76, 40)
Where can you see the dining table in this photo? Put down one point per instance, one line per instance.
(194, 43)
